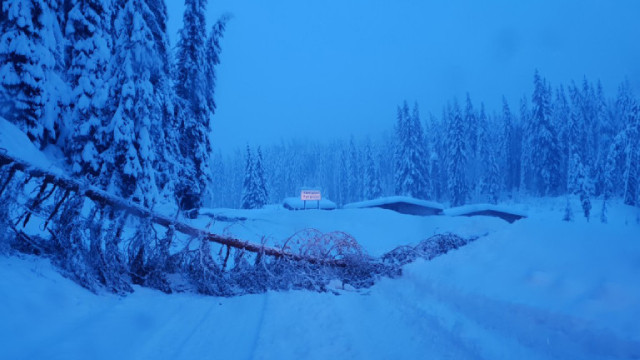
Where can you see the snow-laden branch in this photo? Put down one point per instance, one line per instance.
(103, 198)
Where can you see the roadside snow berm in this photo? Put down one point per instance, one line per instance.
(501, 212)
(401, 204)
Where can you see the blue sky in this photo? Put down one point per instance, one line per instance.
(327, 69)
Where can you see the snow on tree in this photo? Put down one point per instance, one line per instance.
(248, 190)
(354, 173)
(196, 58)
(89, 51)
(471, 125)
(545, 156)
(411, 173)
(526, 151)
(492, 177)
(563, 122)
(508, 145)
(457, 159)
(168, 161)
(130, 168)
(254, 187)
(213, 51)
(435, 152)
(583, 186)
(483, 153)
(262, 194)
(32, 93)
(373, 189)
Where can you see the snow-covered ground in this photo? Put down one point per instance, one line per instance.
(536, 289)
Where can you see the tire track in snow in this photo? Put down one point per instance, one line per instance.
(259, 325)
(429, 324)
(550, 334)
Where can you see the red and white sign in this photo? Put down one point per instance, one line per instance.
(310, 195)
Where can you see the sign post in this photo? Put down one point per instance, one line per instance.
(311, 195)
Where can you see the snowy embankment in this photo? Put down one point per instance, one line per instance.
(539, 288)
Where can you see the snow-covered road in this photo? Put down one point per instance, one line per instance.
(538, 289)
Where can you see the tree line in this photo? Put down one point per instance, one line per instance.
(561, 140)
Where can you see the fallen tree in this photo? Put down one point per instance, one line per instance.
(106, 242)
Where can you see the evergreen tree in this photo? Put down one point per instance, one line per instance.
(631, 173)
(31, 89)
(471, 141)
(435, 155)
(411, 159)
(197, 56)
(583, 186)
(492, 179)
(483, 153)
(168, 162)
(373, 189)
(563, 122)
(508, 146)
(87, 31)
(213, 50)
(248, 190)
(457, 159)
(526, 150)
(133, 153)
(354, 183)
(260, 186)
(544, 141)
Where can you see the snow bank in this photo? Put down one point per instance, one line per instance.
(391, 200)
(294, 203)
(472, 208)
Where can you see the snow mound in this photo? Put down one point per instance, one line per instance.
(504, 212)
(401, 204)
(293, 203)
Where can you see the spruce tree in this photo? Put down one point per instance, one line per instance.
(457, 159)
(526, 152)
(411, 173)
(354, 189)
(544, 141)
(131, 174)
(563, 122)
(88, 33)
(197, 56)
(260, 186)
(483, 154)
(508, 146)
(213, 50)
(583, 187)
(248, 190)
(31, 60)
(373, 189)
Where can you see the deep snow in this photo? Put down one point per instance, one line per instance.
(536, 289)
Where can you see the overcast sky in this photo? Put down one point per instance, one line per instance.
(331, 68)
